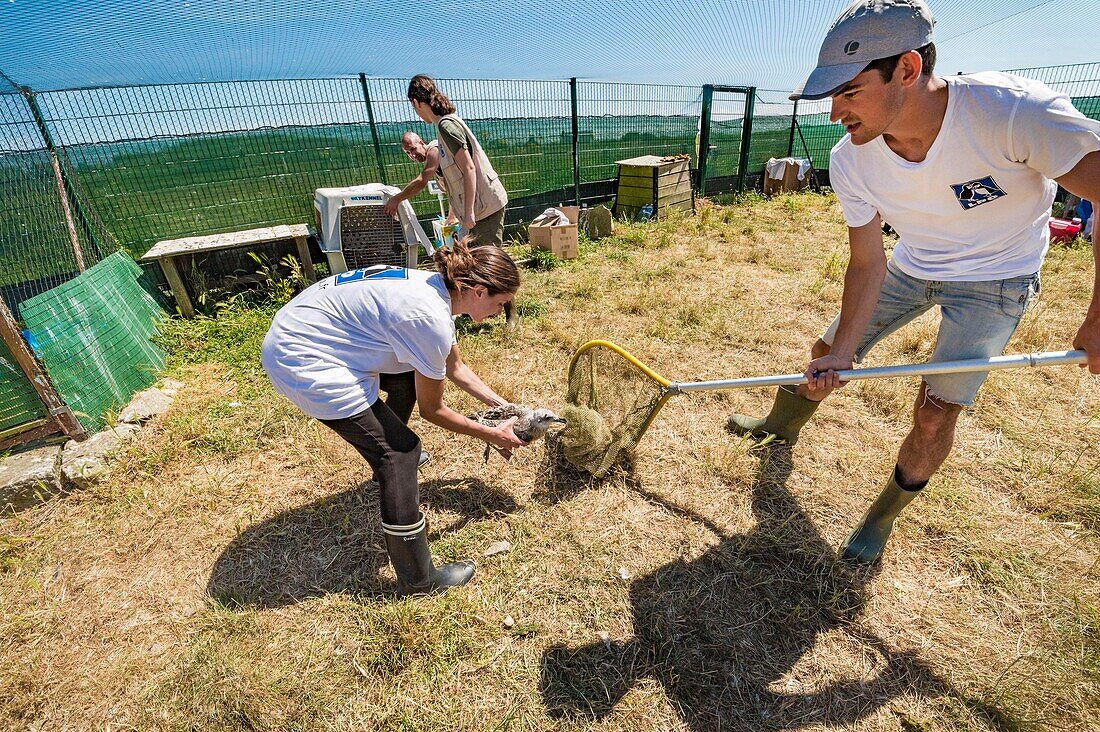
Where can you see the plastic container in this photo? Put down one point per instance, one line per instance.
(1064, 229)
(444, 233)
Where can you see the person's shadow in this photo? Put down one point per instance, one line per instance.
(334, 545)
(723, 633)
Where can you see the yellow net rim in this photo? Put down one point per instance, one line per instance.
(625, 354)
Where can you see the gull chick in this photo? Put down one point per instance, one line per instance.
(530, 424)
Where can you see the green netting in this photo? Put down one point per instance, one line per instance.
(95, 334)
(19, 403)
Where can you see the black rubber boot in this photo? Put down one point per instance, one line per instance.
(412, 561)
(789, 413)
(867, 541)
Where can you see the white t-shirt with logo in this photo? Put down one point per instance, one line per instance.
(327, 346)
(976, 208)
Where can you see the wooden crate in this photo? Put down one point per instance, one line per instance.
(649, 179)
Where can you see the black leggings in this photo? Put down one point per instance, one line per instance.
(382, 436)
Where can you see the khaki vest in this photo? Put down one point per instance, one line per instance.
(489, 192)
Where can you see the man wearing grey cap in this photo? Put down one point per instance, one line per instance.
(965, 169)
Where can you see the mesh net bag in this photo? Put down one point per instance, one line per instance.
(611, 398)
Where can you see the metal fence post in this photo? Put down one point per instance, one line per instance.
(373, 129)
(576, 148)
(746, 138)
(66, 187)
(704, 137)
(794, 123)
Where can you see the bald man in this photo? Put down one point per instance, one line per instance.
(420, 152)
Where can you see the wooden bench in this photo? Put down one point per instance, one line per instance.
(166, 252)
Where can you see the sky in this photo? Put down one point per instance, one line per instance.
(771, 44)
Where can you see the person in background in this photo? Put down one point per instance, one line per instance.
(477, 197)
(1085, 211)
(427, 154)
(964, 168)
(332, 348)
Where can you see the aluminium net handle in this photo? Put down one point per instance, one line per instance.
(1023, 360)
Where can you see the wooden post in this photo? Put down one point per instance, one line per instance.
(179, 290)
(68, 214)
(303, 255)
(57, 410)
(44, 130)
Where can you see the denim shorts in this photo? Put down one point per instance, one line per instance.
(976, 321)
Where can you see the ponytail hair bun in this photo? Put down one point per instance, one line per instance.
(465, 265)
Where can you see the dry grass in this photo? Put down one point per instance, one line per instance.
(231, 575)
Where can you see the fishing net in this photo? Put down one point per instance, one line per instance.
(612, 398)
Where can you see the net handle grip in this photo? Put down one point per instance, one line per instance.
(996, 363)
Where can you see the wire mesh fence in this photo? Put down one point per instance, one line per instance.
(1081, 82)
(166, 161)
(45, 235)
(622, 121)
(85, 169)
(523, 126)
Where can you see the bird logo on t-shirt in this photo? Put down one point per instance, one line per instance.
(976, 192)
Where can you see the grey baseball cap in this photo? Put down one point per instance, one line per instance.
(866, 31)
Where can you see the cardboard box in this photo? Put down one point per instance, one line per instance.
(560, 240)
(789, 181)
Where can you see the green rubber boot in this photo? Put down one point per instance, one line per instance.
(789, 413)
(866, 542)
(412, 561)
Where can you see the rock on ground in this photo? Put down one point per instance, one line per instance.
(28, 478)
(83, 463)
(145, 405)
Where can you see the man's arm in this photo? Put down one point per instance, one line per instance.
(1084, 181)
(862, 283)
(417, 184)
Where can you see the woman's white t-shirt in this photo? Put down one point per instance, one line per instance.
(976, 208)
(327, 346)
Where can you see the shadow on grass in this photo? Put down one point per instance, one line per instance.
(723, 632)
(334, 545)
